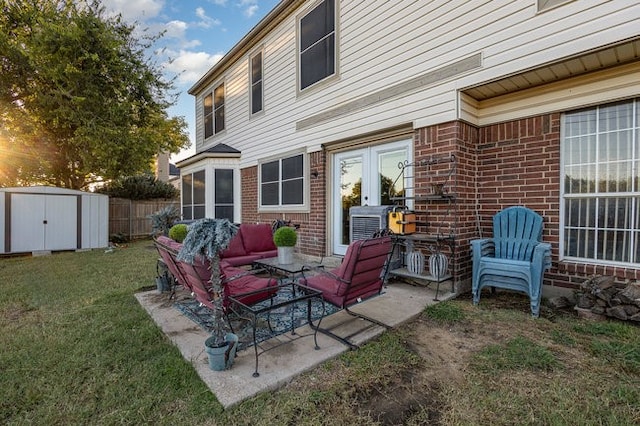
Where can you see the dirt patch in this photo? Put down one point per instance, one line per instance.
(419, 395)
(411, 394)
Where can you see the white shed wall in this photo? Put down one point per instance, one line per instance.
(31, 206)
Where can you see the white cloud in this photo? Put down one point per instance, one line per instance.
(249, 7)
(219, 2)
(190, 66)
(251, 10)
(135, 10)
(205, 21)
(176, 29)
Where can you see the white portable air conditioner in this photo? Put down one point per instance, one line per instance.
(366, 220)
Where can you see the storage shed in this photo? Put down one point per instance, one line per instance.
(45, 218)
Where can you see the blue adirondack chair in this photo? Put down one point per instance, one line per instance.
(515, 258)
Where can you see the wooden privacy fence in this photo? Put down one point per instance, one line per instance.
(130, 218)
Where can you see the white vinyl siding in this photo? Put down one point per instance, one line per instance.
(410, 39)
(550, 4)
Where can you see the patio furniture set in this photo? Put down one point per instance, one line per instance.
(361, 275)
(514, 259)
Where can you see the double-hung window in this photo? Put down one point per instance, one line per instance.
(317, 44)
(256, 83)
(213, 111)
(193, 195)
(282, 182)
(601, 188)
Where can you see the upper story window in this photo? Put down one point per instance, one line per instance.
(317, 41)
(601, 188)
(256, 83)
(218, 106)
(282, 182)
(213, 112)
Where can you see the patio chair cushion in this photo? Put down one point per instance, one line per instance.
(258, 238)
(237, 281)
(236, 247)
(358, 277)
(252, 242)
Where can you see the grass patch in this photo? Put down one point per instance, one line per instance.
(445, 312)
(79, 349)
(516, 354)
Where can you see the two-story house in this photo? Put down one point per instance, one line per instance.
(538, 101)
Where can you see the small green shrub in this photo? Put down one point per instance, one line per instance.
(178, 232)
(285, 237)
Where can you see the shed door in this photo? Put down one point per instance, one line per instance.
(43, 222)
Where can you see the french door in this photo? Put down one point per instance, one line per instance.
(364, 177)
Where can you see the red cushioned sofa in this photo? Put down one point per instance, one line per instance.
(195, 277)
(252, 242)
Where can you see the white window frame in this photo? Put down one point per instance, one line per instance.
(280, 207)
(192, 205)
(599, 201)
(335, 34)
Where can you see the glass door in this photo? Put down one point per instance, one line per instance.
(365, 177)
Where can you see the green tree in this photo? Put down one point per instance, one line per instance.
(79, 99)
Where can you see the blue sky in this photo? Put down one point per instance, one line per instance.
(197, 35)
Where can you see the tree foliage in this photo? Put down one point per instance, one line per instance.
(79, 100)
(141, 187)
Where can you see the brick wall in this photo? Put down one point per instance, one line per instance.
(506, 164)
(519, 164)
(458, 139)
(311, 235)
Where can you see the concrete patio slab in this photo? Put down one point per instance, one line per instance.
(399, 303)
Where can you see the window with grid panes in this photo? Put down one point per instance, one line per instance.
(218, 106)
(601, 186)
(317, 41)
(256, 83)
(282, 182)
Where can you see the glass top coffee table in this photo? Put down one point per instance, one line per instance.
(289, 270)
(287, 294)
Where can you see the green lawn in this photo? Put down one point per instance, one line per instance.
(77, 348)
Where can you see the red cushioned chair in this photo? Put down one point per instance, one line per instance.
(167, 249)
(360, 276)
(195, 277)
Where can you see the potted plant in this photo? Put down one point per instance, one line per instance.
(285, 239)
(163, 220)
(207, 237)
